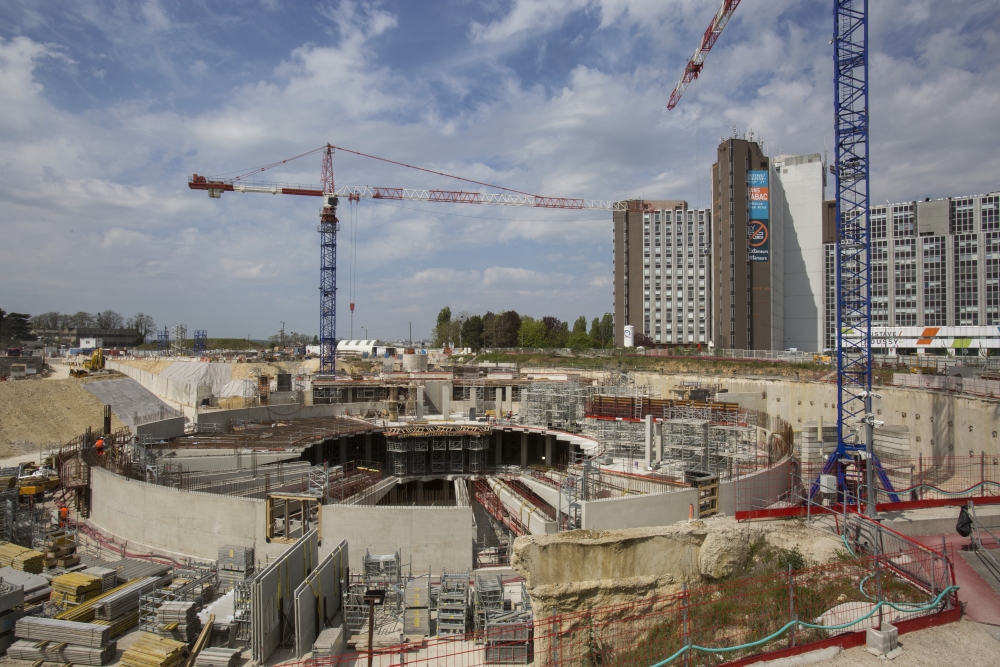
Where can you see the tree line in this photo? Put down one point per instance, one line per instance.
(20, 326)
(511, 329)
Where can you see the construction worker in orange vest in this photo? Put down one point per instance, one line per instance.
(99, 446)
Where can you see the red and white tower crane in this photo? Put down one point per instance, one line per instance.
(693, 68)
(329, 224)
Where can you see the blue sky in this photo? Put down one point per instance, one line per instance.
(108, 107)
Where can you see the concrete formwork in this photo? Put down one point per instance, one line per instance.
(318, 599)
(272, 597)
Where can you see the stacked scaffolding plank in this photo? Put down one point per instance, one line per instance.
(69, 590)
(52, 640)
(21, 558)
(153, 651)
(488, 595)
(178, 620)
(11, 609)
(453, 604)
(236, 565)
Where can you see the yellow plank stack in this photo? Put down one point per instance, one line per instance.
(154, 651)
(21, 558)
(60, 550)
(73, 588)
(122, 624)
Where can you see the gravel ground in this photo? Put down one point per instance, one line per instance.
(962, 643)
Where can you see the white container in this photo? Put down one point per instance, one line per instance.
(828, 484)
(629, 335)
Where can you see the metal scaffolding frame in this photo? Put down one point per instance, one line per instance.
(553, 404)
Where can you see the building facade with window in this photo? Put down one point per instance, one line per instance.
(934, 264)
(662, 272)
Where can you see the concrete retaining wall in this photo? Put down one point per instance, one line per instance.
(222, 418)
(940, 424)
(164, 387)
(185, 523)
(638, 511)
(163, 429)
(429, 537)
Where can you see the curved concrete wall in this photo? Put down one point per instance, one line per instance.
(940, 424)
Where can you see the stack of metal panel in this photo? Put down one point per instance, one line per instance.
(36, 587)
(86, 635)
(130, 568)
(329, 645)
(62, 653)
(218, 657)
(509, 637)
(107, 575)
(178, 621)
(236, 565)
(417, 607)
(453, 603)
(125, 600)
(11, 610)
(488, 597)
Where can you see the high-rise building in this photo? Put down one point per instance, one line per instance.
(803, 182)
(748, 248)
(934, 264)
(662, 272)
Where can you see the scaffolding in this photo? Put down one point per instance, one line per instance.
(488, 596)
(383, 568)
(553, 405)
(200, 341)
(453, 603)
(177, 344)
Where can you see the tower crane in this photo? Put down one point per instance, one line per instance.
(329, 225)
(855, 416)
(697, 61)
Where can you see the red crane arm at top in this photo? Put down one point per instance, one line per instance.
(697, 61)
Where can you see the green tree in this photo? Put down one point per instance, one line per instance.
(508, 325)
(143, 324)
(442, 330)
(602, 331)
(472, 332)
(109, 319)
(81, 319)
(532, 332)
(578, 339)
(15, 327)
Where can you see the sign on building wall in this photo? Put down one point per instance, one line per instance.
(759, 229)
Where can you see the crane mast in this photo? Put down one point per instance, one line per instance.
(329, 225)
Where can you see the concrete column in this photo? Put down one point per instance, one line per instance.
(658, 441)
(498, 403)
(649, 439)
(368, 446)
(420, 489)
(498, 446)
(343, 449)
(420, 402)
(510, 399)
(549, 441)
(524, 449)
(446, 400)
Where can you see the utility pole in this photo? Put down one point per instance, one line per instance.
(411, 334)
(282, 334)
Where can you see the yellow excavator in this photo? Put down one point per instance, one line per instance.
(95, 363)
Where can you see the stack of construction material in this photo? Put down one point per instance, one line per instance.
(152, 651)
(69, 590)
(329, 644)
(131, 568)
(36, 587)
(235, 566)
(60, 550)
(21, 558)
(178, 620)
(218, 657)
(49, 640)
(61, 652)
(11, 610)
(108, 576)
(122, 624)
(125, 599)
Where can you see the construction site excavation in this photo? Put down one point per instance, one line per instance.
(780, 443)
(472, 514)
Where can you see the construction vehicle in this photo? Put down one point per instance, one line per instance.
(95, 363)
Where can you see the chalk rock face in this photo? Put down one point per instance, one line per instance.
(721, 553)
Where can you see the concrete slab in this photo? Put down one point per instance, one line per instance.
(131, 402)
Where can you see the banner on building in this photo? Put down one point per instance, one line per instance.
(759, 228)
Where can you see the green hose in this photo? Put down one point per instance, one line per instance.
(813, 626)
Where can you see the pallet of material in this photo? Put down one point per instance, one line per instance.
(182, 632)
(84, 612)
(132, 568)
(109, 576)
(218, 657)
(36, 587)
(49, 629)
(74, 587)
(179, 611)
(125, 599)
(236, 558)
(122, 624)
(21, 558)
(62, 652)
(153, 651)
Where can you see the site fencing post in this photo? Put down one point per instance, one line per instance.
(685, 627)
(791, 601)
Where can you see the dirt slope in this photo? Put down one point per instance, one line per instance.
(46, 412)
